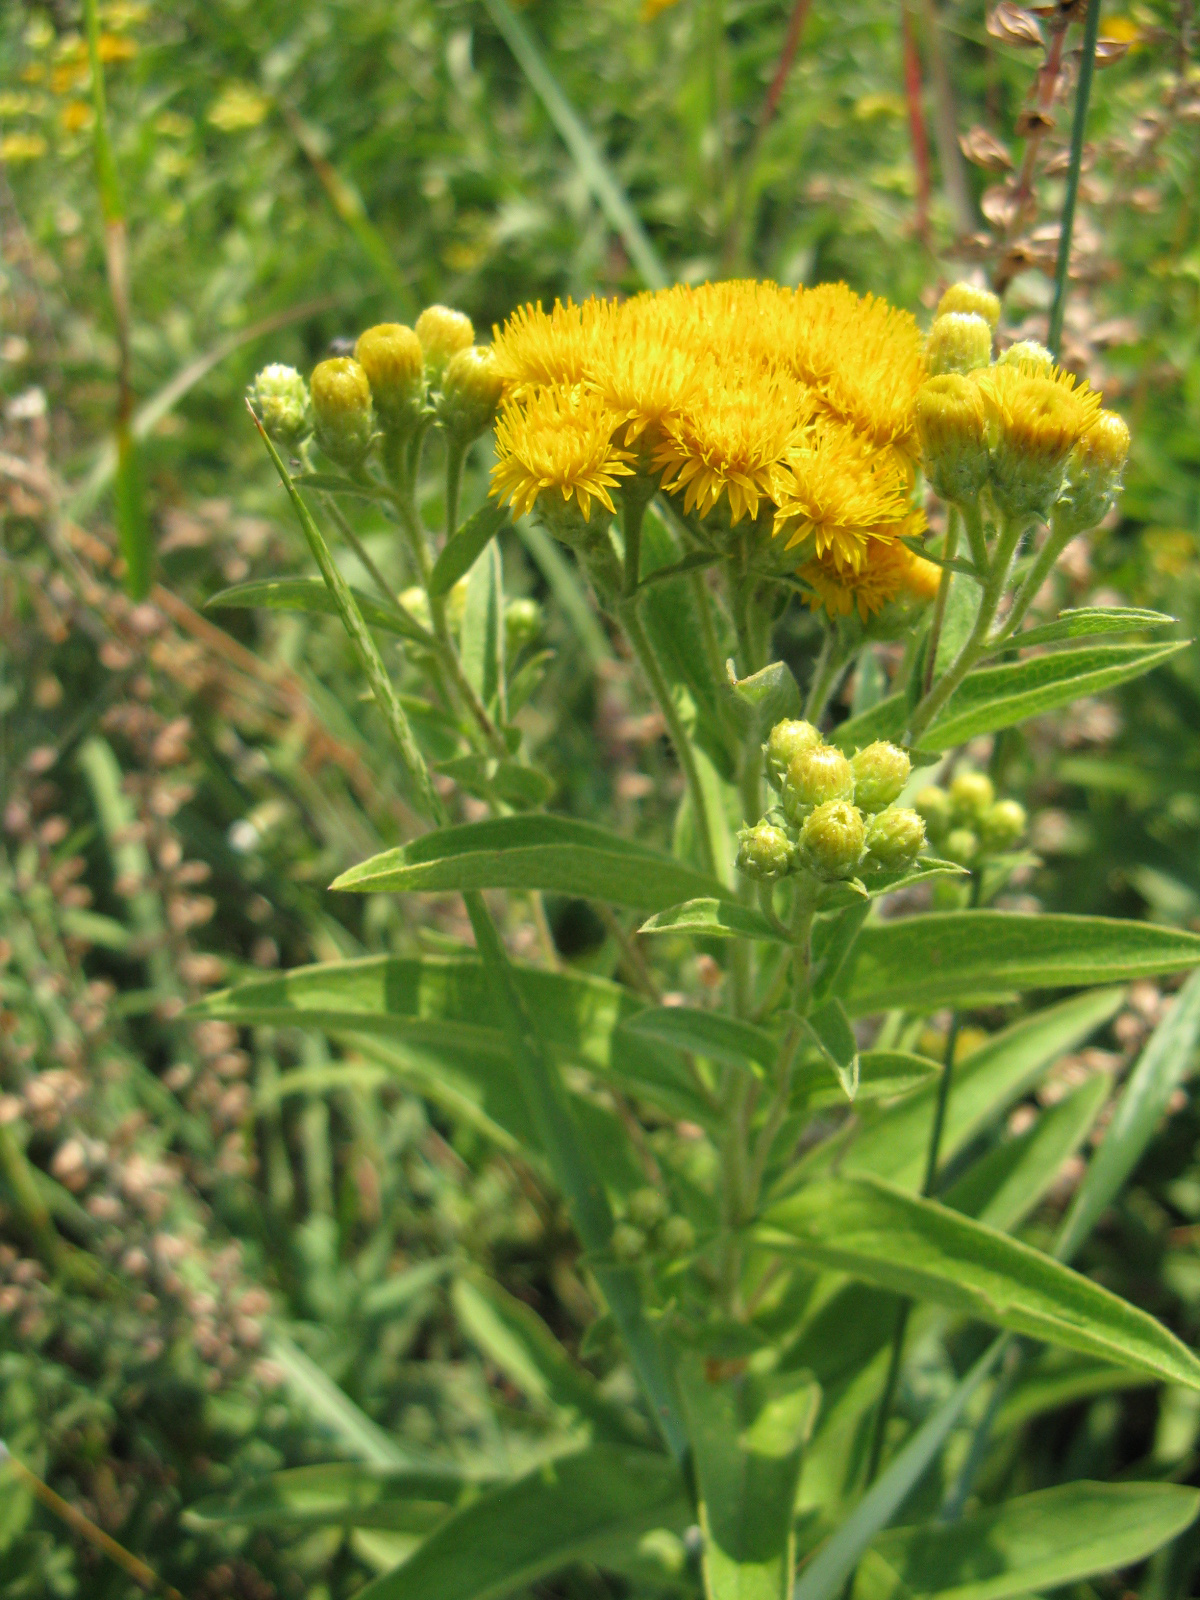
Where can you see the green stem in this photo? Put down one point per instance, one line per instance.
(949, 551)
(360, 550)
(1091, 30)
(973, 522)
(1056, 542)
(825, 675)
(456, 454)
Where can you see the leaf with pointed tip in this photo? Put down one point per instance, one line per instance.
(710, 918)
(830, 1028)
(727, 1040)
(763, 699)
(341, 1494)
(489, 778)
(1087, 622)
(463, 548)
(314, 596)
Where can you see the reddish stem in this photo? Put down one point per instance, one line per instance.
(916, 124)
(791, 43)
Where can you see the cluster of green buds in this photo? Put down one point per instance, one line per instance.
(966, 822)
(1017, 427)
(651, 1227)
(836, 816)
(398, 381)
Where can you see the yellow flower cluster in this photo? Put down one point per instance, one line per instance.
(793, 408)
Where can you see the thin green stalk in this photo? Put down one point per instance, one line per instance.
(627, 612)
(360, 550)
(973, 522)
(1056, 542)
(949, 551)
(825, 674)
(456, 454)
(1091, 31)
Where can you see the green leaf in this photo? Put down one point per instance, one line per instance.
(1005, 1186)
(830, 1028)
(312, 595)
(924, 962)
(330, 1406)
(338, 483)
(483, 630)
(922, 871)
(885, 720)
(568, 1510)
(463, 549)
(713, 919)
(489, 778)
(894, 1142)
(1039, 1541)
(340, 1494)
(884, 1074)
(1162, 1066)
(1059, 1379)
(720, 1038)
(915, 1247)
(747, 1441)
(1088, 621)
(763, 699)
(998, 697)
(531, 852)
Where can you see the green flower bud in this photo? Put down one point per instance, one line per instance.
(959, 341)
(522, 624)
(953, 429)
(443, 333)
(390, 354)
(974, 301)
(1002, 825)
(832, 840)
(764, 853)
(1094, 471)
(894, 839)
(971, 794)
(647, 1208)
(471, 390)
(341, 403)
(815, 776)
(961, 846)
(677, 1236)
(1027, 353)
(785, 742)
(628, 1242)
(933, 804)
(279, 396)
(880, 772)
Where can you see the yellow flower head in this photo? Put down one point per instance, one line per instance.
(538, 347)
(844, 493)
(558, 442)
(952, 425)
(1035, 420)
(884, 574)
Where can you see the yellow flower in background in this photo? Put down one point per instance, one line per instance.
(842, 492)
(17, 147)
(559, 443)
(75, 116)
(238, 106)
(651, 8)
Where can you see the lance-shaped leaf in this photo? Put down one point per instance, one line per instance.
(556, 854)
(1037, 1542)
(342, 1494)
(710, 918)
(918, 1248)
(1087, 622)
(747, 1441)
(830, 1029)
(924, 962)
(572, 1509)
(727, 1040)
(314, 595)
(463, 549)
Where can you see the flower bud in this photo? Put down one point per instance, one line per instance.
(677, 1236)
(968, 297)
(880, 772)
(390, 353)
(952, 425)
(784, 743)
(647, 1208)
(522, 624)
(961, 846)
(471, 390)
(628, 1242)
(1034, 423)
(894, 839)
(1002, 824)
(815, 776)
(934, 806)
(971, 794)
(764, 853)
(1027, 353)
(279, 396)
(1094, 472)
(959, 341)
(832, 840)
(341, 403)
(443, 333)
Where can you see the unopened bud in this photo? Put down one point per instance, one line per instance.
(880, 772)
(522, 624)
(471, 390)
(785, 742)
(677, 1236)
(279, 396)
(959, 341)
(647, 1208)
(971, 794)
(628, 1242)
(961, 846)
(1027, 353)
(1002, 824)
(764, 853)
(1094, 473)
(443, 332)
(934, 806)
(894, 839)
(1035, 423)
(952, 425)
(390, 353)
(968, 297)
(341, 403)
(815, 776)
(832, 840)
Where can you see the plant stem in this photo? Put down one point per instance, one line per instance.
(828, 667)
(360, 550)
(1056, 542)
(1091, 30)
(456, 454)
(973, 522)
(949, 551)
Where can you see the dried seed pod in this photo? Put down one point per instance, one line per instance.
(983, 149)
(1011, 24)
